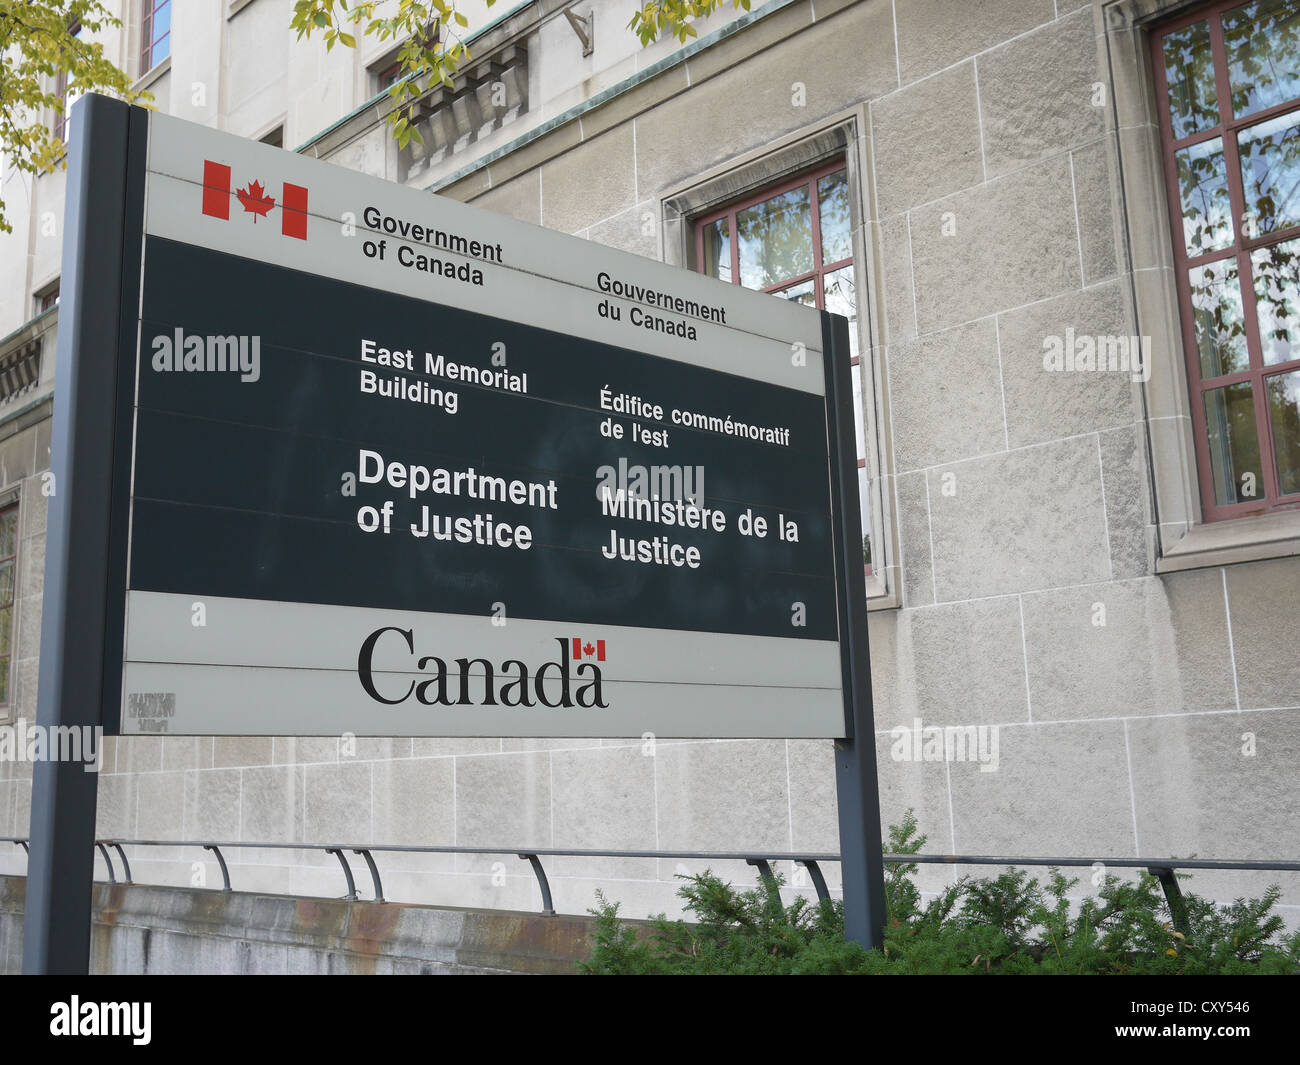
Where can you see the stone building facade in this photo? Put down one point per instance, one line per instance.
(1093, 563)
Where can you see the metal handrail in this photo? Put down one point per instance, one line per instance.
(1164, 869)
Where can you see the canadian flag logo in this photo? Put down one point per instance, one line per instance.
(254, 200)
(589, 650)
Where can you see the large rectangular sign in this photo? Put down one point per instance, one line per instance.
(389, 464)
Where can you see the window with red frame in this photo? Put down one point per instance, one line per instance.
(794, 240)
(389, 76)
(8, 571)
(60, 125)
(1228, 88)
(155, 33)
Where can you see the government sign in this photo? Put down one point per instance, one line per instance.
(336, 456)
(387, 464)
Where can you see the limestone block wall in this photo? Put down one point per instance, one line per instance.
(1139, 710)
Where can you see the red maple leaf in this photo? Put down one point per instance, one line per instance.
(255, 200)
(589, 649)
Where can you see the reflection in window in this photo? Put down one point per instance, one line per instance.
(1234, 445)
(805, 292)
(1189, 73)
(1270, 172)
(717, 249)
(1262, 42)
(63, 90)
(1220, 324)
(1277, 301)
(8, 564)
(841, 298)
(1203, 185)
(47, 299)
(795, 240)
(833, 198)
(389, 76)
(155, 33)
(1231, 81)
(1284, 411)
(775, 239)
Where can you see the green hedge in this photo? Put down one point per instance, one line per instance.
(1007, 924)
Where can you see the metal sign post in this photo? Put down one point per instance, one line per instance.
(76, 618)
(857, 790)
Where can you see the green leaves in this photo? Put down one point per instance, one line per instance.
(432, 52)
(1007, 924)
(41, 53)
(424, 59)
(751, 932)
(675, 18)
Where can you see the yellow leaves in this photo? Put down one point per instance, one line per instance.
(41, 52)
(674, 18)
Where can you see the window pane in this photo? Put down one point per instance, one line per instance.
(162, 20)
(1284, 410)
(7, 581)
(1270, 172)
(805, 292)
(6, 629)
(8, 532)
(841, 298)
(775, 239)
(717, 249)
(833, 203)
(1277, 300)
(1189, 72)
(864, 487)
(4, 680)
(1203, 186)
(859, 428)
(1234, 444)
(1220, 322)
(1263, 42)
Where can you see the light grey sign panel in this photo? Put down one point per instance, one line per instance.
(255, 632)
(344, 653)
(543, 278)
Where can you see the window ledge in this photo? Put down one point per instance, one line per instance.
(879, 594)
(1221, 543)
(153, 74)
(236, 6)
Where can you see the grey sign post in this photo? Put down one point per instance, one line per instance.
(201, 440)
(56, 927)
(857, 790)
